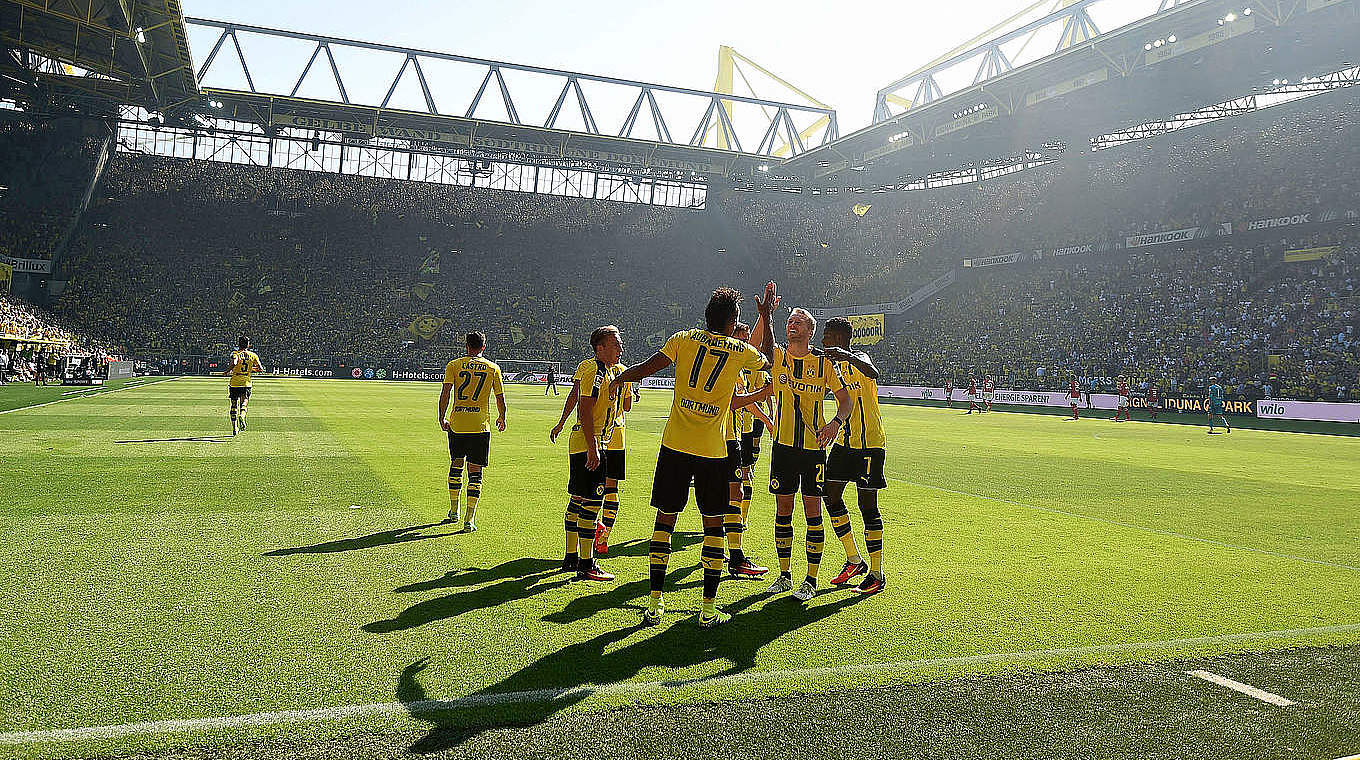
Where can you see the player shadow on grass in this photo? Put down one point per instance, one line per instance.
(560, 680)
(509, 581)
(381, 538)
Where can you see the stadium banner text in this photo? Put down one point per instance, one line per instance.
(867, 329)
(463, 137)
(1001, 396)
(991, 261)
(1164, 237)
(1180, 403)
(1320, 411)
(27, 266)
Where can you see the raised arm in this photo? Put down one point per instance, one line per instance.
(764, 329)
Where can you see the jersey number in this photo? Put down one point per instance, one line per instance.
(720, 355)
(466, 377)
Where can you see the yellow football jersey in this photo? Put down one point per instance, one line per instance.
(754, 380)
(864, 429)
(475, 380)
(594, 377)
(801, 383)
(243, 363)
(616, 441)
(707, 367)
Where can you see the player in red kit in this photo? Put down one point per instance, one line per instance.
(1125, 406)
(972, 394)
(1154, 400)
(988, 388)
(1074, 397)
(949, 393)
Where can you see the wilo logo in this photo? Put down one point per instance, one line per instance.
(1268, 409)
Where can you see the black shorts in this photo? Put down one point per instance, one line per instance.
(474, 447)
(584, 482)
(863, 467)
(615, 462)
(676, 470)
(238, 394)
(793, 470)
(734, 458)
(750, 446)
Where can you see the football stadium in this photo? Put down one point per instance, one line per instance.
(460, 385)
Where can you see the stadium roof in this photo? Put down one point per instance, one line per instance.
(1183, 58)
(130, 52)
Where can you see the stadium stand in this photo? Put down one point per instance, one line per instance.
(178, 256)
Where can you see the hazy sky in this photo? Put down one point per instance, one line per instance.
(839, 52)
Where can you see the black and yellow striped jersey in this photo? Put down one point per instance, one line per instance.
(474, 381)
(244, 363)
(707, 367)
(754, 380)
(593, 377)
(864, 428)
(801, 383)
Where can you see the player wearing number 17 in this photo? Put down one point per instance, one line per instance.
(708, 366)
(471, 380)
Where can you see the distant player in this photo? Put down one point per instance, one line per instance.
(1154, 400)
(615, 471)
(708, 366)
(244, 363)
(552, 380)
(857, 456)
(988, 392)
(949, 393)
(1074, 397)
(1124, 404)
(472, 380)
(1215, 406)
(972, 394)
(802, 380)
(588, 450)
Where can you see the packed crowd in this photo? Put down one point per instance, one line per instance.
(33, 338)
(44, 170)
(182, 256)
(178, 257)
(1174, 318)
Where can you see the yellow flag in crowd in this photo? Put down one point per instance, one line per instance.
(868, 329)
(861, 209)
(425, 326)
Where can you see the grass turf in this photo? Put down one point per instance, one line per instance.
(303, 565)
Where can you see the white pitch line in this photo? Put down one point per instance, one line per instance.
(20, 738)
(91, 395)
(1132, 526)
(1251, 691)
(1349, 757)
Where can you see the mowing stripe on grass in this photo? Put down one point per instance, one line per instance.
(90, 395)
(1251, 691)
(383, 709)
(1108, 521)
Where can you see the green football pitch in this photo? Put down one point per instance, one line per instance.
(166, 584)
